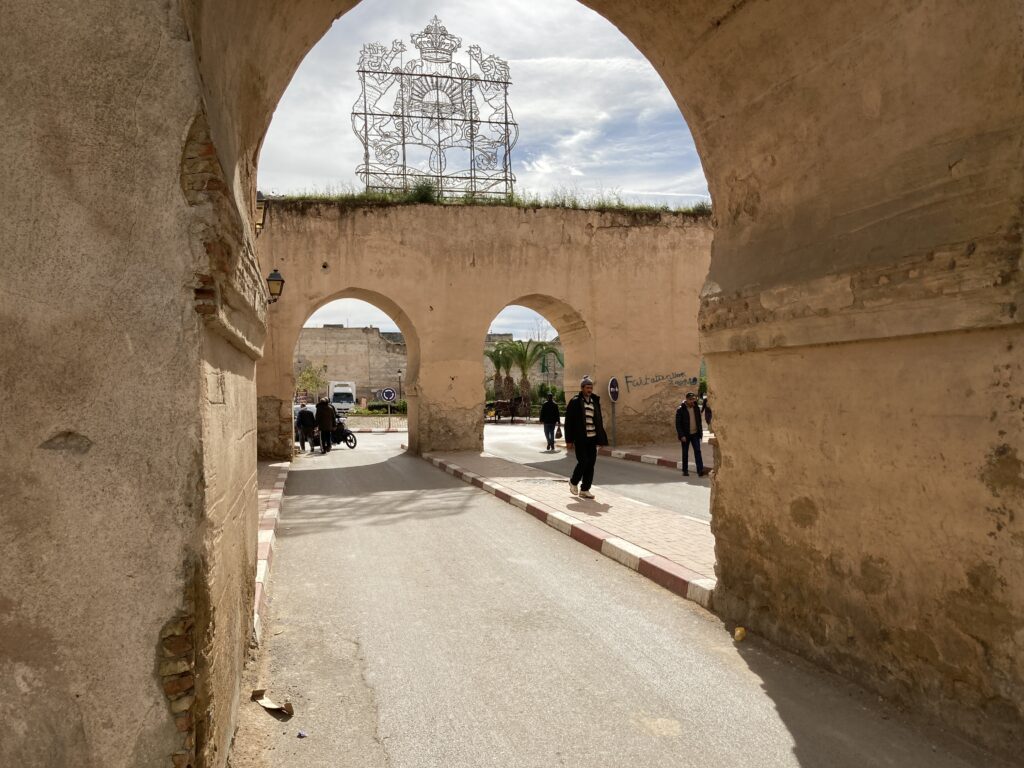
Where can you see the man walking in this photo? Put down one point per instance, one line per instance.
(584, 431)
(550, 418)
(690, 431)
(326, 419)
(306, 423)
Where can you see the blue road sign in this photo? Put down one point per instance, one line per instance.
(613, 389)
(388, 394)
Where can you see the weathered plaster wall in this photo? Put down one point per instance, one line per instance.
(118, 262)
(880, 530)
(451, 269)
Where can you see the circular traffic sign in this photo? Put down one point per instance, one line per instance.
(388, 394)
(613, 389)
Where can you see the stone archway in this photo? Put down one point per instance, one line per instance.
(866, 172)
(866, 161)
(275, 374)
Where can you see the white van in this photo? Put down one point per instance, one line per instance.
(342, 395)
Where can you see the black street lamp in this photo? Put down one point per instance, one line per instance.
(399, 383)
(275, 284)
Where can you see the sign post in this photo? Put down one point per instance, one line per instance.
(613, 395)
(389, 397)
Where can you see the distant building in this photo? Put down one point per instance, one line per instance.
(372, 358)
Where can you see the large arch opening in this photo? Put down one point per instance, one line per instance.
(823, 207)
(298, 344)
(535, 344)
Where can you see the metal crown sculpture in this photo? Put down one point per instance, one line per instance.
(433, 119)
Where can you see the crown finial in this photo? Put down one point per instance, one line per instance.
(435, 43)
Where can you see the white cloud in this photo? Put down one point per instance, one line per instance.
(592, 111)
(521, 322)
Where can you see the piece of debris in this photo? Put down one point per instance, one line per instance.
(739, 634)
(259, 696)
(302, 734)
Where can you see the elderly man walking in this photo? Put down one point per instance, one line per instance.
(584, 431)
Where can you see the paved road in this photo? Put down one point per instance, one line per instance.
(658, 486)
(419, 622)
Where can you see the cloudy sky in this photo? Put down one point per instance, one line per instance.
(594, 116)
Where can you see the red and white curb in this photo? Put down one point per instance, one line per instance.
(674, 577)
(644, 458)
(265, 547)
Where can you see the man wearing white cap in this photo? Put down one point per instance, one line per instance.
(584, 431)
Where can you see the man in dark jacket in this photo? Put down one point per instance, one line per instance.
(690, 430)
(584, 431)
(326, 419)
(305, 422)
(550, 418)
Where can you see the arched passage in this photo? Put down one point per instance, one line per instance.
(867, 165)
(839, 146)
(275, 373)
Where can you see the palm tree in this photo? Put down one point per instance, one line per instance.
(497, 357)
(524, 355)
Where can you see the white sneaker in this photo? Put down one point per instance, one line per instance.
(586, 495)
(574, 489)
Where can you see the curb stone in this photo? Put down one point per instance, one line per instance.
(270, 513)
(674, 577)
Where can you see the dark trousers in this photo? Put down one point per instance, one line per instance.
(306, 435)
(586, 458)
(695, 441)
(549, 433)
(325, 440)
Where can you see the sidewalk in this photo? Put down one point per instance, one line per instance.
(672, 544)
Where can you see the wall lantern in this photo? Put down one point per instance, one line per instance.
(275, 284)
(260, 220)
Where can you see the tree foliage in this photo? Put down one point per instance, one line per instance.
(311, 380)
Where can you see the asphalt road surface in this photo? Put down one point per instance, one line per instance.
(658, 486)
(418, 622)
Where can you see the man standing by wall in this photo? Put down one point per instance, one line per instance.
(690, 431)
(584, 431)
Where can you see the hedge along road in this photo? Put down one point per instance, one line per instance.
(419, 622)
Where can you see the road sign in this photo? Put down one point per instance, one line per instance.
(613, 389)
(388, 394)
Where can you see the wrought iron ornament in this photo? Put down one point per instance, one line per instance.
(434, 119)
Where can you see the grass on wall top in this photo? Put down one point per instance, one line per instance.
(426, 193)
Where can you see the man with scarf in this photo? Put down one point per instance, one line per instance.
(584, 431)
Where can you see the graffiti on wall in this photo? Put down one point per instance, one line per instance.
(678, 379)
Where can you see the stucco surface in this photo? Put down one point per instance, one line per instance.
(621, 289)
(879, 530)
(101, 466)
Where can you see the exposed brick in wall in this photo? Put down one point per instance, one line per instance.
(176, 670)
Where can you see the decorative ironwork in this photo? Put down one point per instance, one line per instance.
(434, 119)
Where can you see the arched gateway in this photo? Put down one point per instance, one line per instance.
(861, 324)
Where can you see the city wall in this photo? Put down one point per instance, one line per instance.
(444, 273)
